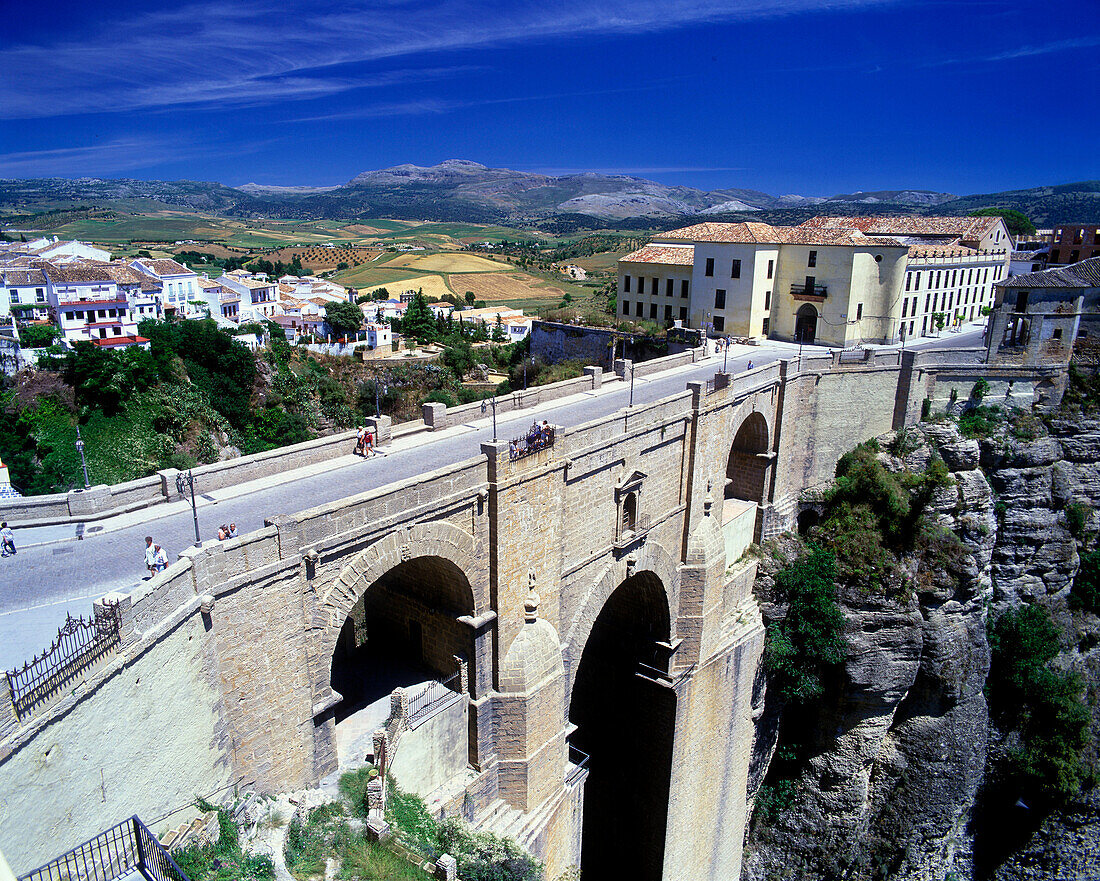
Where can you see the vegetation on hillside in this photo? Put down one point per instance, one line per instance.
(1017, 222)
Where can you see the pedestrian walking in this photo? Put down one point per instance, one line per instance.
(150, 556)
(750, 366)
(360, 440)
(7, 537)
(160, 559)
(368, 443)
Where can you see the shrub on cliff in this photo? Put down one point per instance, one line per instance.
(1041, 705)
(1085, 593)
(809, 639)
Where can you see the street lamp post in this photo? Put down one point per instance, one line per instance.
(725, 354)
(493, 403)
(188, 481)
(83, 464)
(631, 404)
(525, 360)
(379, 390)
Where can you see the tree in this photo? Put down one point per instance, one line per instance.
(344, 318)
(459, 357)
(471, 297)
(499, 334)
(419, 321)
(35, 336)
(1017, 222)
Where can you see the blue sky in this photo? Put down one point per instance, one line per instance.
(787, 96)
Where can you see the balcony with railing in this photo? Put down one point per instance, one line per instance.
(128, 850)
(800, 290)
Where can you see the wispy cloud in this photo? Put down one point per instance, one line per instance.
(246, 53)
(110, 157)
(670, 169)
(1016, 52)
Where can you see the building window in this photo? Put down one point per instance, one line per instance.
(14, 295)
(710, 266)
(40, 295)
(630, 514)
(653, 311)
(904, 307)
(719, 299)
(668, 313)
(683, 313)
(764, 327)
(1073, 255)
(859, 311)
(908, 281)
(767, 300)
(1054, 256)
(684, 288)
(810, 282)
(638, 309)
(626, 307)
(735, 269)
(70, 316)
(813, 259)
(1057, 334)
(719, 323)
(771, 268)
(916, 287)
(653, 286)
(626, 284)
(668, 287)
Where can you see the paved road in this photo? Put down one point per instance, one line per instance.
(42, 582)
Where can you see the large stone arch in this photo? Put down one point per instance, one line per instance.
(651, 557)
(439, 539)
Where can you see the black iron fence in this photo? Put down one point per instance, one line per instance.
(538, 438)
(434, 694)
(127, 847)
(79, 643)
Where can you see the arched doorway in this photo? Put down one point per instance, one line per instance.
(402, 632)
(746, 485)
(625, 712)
(805, 324)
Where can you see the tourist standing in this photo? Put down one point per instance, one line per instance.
(150, 556)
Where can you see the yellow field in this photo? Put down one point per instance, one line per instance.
(432, 285)
(447, 262)
(497, 286)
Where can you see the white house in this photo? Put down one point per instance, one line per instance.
(258, 298)
(86, 303)
(24, 294)
(379, 335)
(179, 286)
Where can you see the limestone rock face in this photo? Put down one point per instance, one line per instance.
(899, 747)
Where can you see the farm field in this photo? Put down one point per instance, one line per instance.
(450, 262)
(317, 259)
(434, 286)
(605, 262)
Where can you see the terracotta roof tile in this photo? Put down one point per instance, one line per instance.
(669, 255)
(77, 271)
(1085, 274)
(765, 234)
(966, 228)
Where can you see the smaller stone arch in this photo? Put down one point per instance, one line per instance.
(748, 461)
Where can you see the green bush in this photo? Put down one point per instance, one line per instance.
(223, 860)
(482, 856)
(1077, 518)
(37, 336)
(774, 799)
(809, 639)
(1043, 705)
(1085, 592)
(980, 421)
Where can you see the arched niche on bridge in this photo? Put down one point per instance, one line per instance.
(748, 462)
(624, 710)
(397, 615)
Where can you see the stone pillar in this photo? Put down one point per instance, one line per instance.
(399, 704)
(168, 483)
(435, 415)
(381, 751)
(446, 868)
(595, 374)
(87, 502)
(382, 426)
(462, 665)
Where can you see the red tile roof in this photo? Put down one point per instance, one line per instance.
(668, 255)
(765, 234)
(966, 228)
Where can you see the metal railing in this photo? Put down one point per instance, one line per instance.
(127, 847)
(434, 694)
(578, 765)
(79, 643)
(536, 439)
(802, 289)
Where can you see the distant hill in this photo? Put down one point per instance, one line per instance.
(461, 190)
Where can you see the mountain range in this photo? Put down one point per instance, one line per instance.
(461, 190)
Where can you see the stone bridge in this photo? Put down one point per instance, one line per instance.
(595, 596)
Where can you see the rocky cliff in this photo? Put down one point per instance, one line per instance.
(879, 777)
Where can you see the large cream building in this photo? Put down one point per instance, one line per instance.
(833, 281)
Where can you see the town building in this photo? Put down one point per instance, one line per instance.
(1039, 316)
(180, 289)
(53, 249)
(24, 294)
(838, 281)
(85, 302)
(1073, 243)
(379, 336)
(258, 297)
